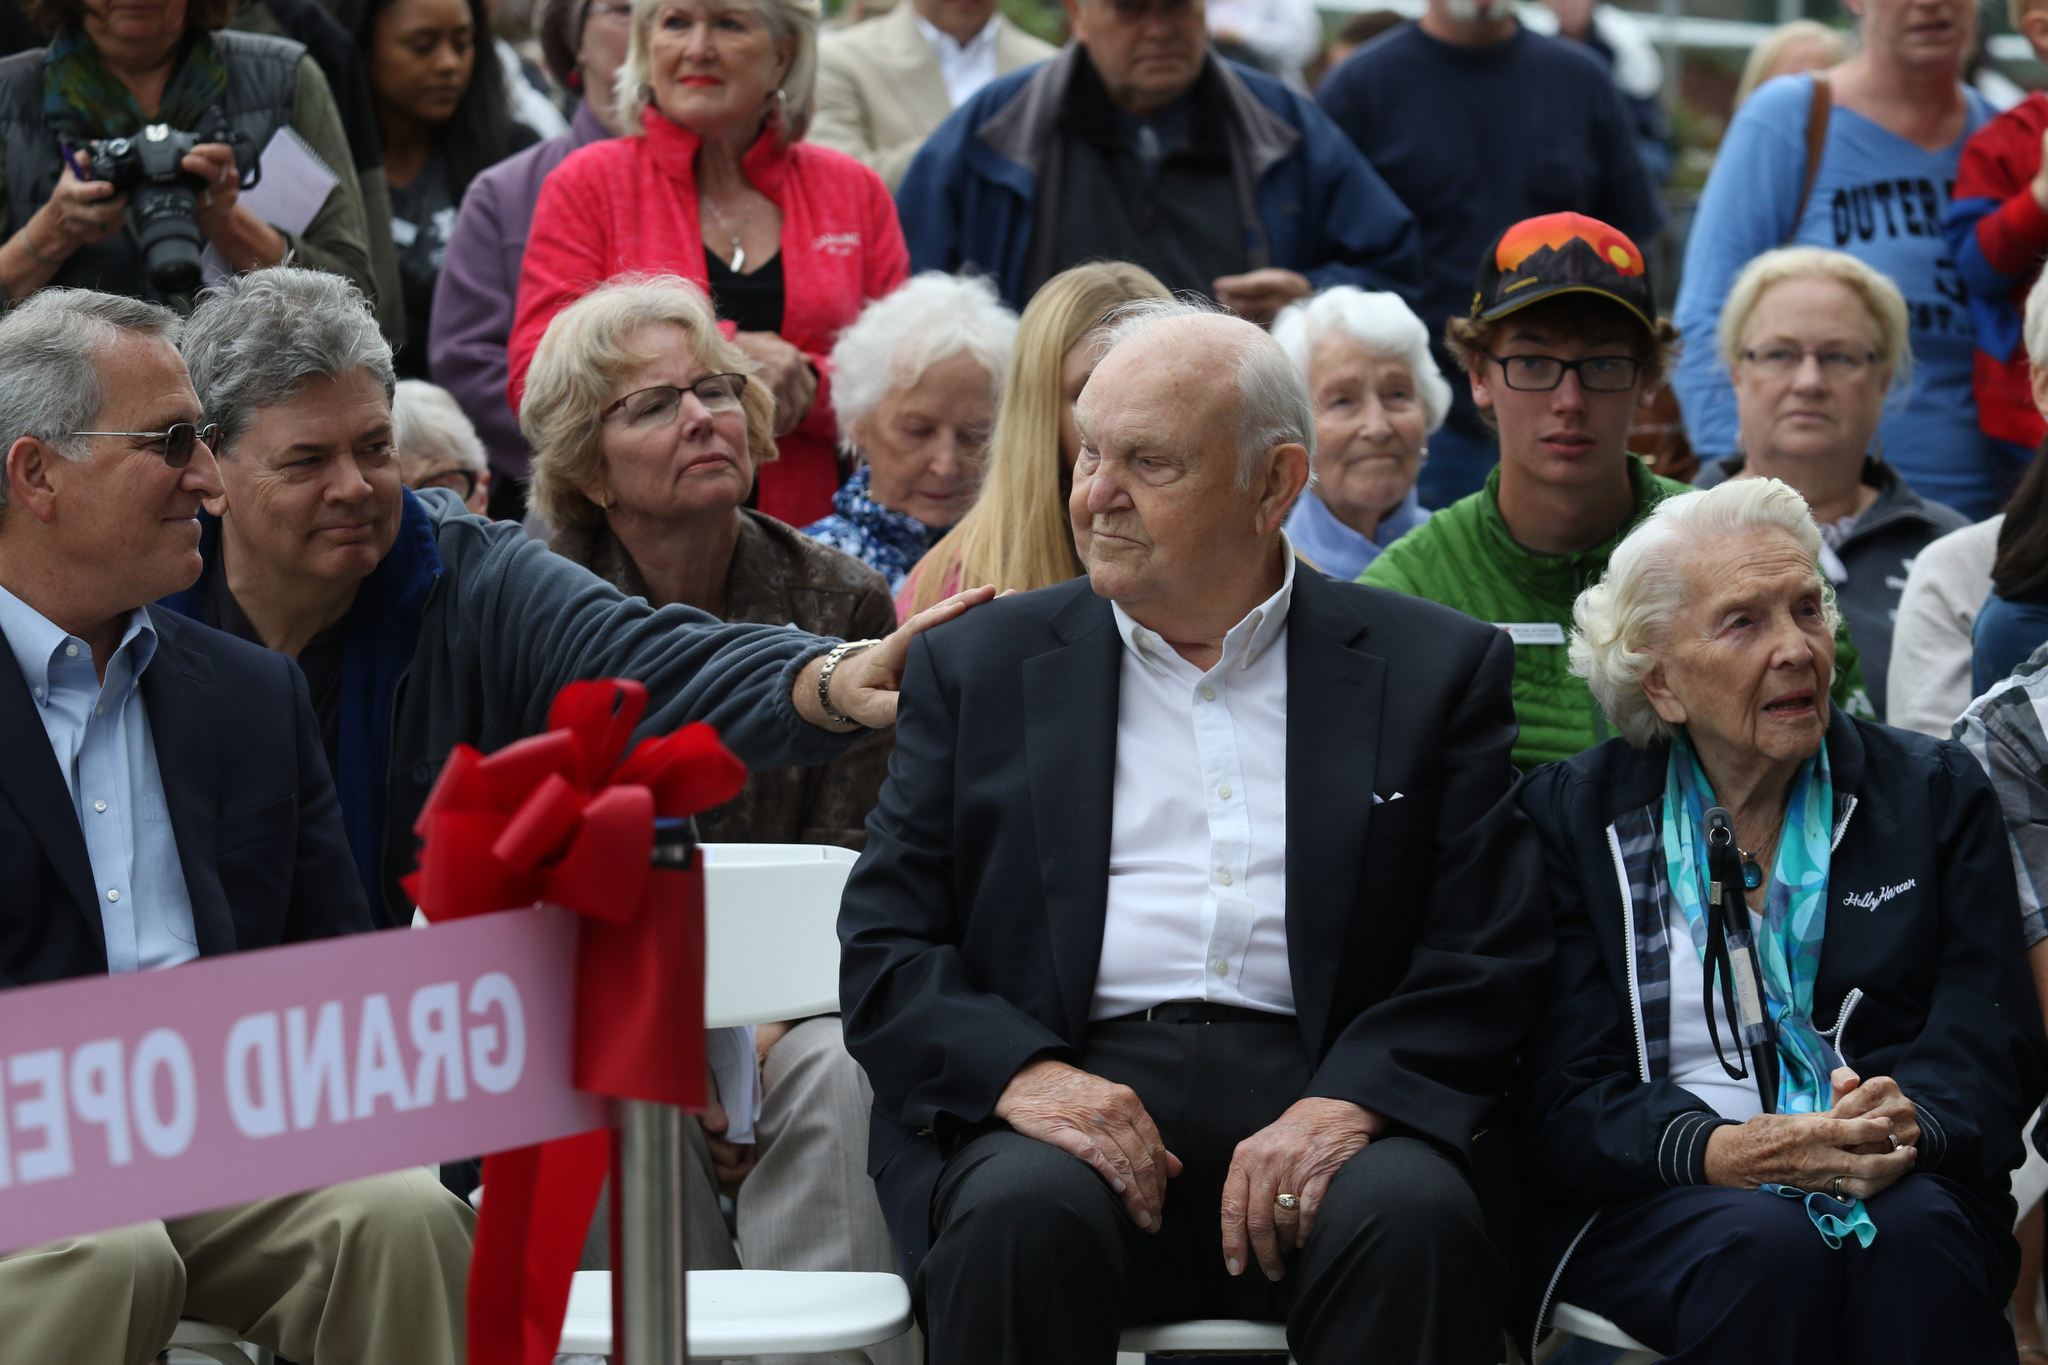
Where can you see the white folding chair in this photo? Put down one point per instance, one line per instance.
(1206, 1337)
(771, 952)
(204, 1341)
(1568, 1320)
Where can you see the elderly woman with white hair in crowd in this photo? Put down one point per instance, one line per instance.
(1378, 396)
(436, 444)
(713, 182)
(1829, 1185)
(918, 379)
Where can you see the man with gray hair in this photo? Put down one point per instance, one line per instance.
(420, 626)
(1204, 787)
(162, 798)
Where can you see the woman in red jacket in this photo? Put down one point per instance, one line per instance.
(712, 182)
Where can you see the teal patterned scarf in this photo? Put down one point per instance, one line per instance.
(82, 95)
(1788, 939)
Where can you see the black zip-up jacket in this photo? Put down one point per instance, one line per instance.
(1923, 978)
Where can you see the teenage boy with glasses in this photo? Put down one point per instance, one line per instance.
(1562, 346)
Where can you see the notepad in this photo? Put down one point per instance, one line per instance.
(289, 193)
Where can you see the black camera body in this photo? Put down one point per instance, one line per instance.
(163, 197)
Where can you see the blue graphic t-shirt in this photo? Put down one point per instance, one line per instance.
(1883, 200)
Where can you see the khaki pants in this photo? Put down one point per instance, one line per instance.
(372, 1272)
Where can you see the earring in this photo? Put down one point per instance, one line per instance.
(1424, 459)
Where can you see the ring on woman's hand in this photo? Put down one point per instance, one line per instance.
(1835, 1188)
(1287, 1201)
(1895, 1140)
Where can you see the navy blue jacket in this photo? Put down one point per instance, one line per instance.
(252, 807)
(970, 198)
(971, 928)
(383, 631)
(1923, 978)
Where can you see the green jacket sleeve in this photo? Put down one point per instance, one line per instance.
(337, 240)
(1848, 691)
(1386, 572)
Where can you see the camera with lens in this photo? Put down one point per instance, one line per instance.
(163, 198)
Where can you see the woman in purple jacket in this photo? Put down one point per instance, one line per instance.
(585, 41)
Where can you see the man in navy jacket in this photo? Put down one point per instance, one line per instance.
(1140, 143)
(163, 797)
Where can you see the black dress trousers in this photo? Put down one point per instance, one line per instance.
(1034, 1258)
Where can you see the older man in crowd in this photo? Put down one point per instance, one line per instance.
(1203, 787)
(1562, 349)
(419, 626)
(1478, 123)
(162, 798)
(1139, 143)
(886, 83)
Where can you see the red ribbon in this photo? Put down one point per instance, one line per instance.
(567, 817)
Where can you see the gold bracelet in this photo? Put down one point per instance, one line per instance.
(838, 652)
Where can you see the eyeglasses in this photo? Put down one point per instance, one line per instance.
(177, 442)
(659, 405)
(1542, 373)
(460, 481)
(1779, 362)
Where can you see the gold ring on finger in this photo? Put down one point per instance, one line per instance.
(1289, 1202)
(1835, 1188)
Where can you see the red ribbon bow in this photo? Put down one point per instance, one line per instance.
(558, 817)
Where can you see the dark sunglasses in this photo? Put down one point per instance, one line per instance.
(177, 442)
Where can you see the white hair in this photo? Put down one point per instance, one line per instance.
(50, 348)
(1273, 403)
(2035, 326)
(932, 317)
(428, 424)
(1380, 322)
(1631, 608)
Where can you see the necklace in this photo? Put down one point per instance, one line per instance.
(739, 253)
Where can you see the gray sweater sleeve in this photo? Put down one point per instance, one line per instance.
(521, 621)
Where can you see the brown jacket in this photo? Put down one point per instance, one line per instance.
(780, 577)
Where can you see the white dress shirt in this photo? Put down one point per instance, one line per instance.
(966, 66)
(100, 734)
(1197, 906)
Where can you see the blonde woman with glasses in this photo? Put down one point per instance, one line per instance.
(1017, 534)
(1815, 342)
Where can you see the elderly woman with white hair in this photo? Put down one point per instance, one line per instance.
(713, 182)
(437, 445)
(918, 379)
(1378, 396)
(1790, 1039)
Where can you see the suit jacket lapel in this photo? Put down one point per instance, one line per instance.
(922, 84)
(185, 725)
(1333, 731)
(1070, 704)
(33, 784)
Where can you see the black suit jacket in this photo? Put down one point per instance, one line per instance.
(1417, 929)
(251, 803)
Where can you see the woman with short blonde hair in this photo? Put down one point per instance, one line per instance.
(1018, 533)
(714, 183)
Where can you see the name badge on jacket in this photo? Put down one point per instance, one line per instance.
(1533, 632)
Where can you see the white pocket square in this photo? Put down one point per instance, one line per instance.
(1379, 800)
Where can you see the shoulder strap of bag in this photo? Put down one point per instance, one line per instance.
(1816, 142)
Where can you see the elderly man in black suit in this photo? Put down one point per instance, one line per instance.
(1195, 935)
(163, 796)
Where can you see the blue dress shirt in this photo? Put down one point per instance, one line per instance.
(100, 734)
(1335, 548)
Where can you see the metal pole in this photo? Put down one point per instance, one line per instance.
(656, 1320)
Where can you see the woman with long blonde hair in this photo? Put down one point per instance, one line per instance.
(1017, 534)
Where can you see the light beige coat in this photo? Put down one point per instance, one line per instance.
(880, 93)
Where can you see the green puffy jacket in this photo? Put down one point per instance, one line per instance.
(1464, 557)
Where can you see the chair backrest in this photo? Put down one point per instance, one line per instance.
(771, 931)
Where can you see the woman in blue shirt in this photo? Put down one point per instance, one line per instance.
(1895, 128)
(1377, 395)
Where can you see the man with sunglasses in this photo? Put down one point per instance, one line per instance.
(163, 798)
(1562, 346)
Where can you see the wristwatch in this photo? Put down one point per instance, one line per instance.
(832, 658)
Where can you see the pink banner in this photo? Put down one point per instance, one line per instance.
(245, 1077)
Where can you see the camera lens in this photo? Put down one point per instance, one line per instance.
(167, 225)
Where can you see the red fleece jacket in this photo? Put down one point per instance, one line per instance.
(630, 205)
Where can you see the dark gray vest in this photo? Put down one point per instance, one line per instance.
(262, 82)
